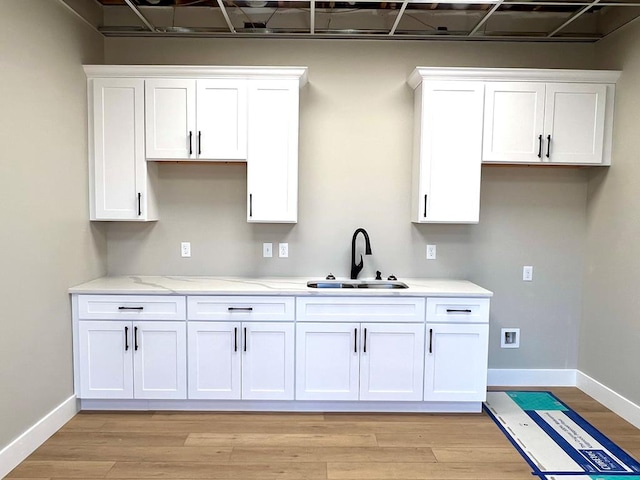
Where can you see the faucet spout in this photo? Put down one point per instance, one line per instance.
(356, 268)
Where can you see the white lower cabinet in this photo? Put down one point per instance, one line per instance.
(123, 360)
(241, 360)
(359, 361)
(457, 336)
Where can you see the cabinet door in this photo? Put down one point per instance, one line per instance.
(327, 361)
(450, 153)
(159, 360)
(267, 361)
(272, 156)
(117, 159)
(105, 361)
(574, 123)
(221, 120)
(456, 362)
(214, 360)
(392, 361)
(513, 122)
(170, 118)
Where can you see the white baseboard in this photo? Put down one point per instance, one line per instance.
(499, 377)
(36, 435)
(610, 399)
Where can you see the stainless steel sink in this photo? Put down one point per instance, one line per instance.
(382, 284)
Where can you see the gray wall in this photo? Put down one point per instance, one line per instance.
(610, 331)
(46, 242)
(355, 170)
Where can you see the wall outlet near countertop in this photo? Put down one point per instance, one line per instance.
(527, 273)
(431, 252)
(283, 250)
(185, 249)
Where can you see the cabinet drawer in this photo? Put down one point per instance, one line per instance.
(358, 309)
(241, 308)
(131, 307)
(458, 310)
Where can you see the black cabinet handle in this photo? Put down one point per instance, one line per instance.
(425, 206)
(135, 338)
(431, 340)
(190, 142)
(130, 308)
(458, 310)
(245, 339)
(235, 339)
(126, 338)
(365, 341)
(539, 146)
(139, 204)
(199, 142)
(548, 145)
(251, 204)
(355, 340)
(240, 309)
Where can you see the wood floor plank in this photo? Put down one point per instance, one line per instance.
(280, 440)
(132, 453)
(65, 469)
(429, 439)
(476, 454)
(428, 471)
(238, 417)
(425, 418)
(196, 470)
(332, 454)
(117, 439)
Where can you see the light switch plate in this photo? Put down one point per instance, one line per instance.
(527, 273)
(267, 250)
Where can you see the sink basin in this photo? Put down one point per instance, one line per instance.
(382, 284)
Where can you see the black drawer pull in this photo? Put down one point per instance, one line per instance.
(126, 338)
(240, 309)
(365, 341)
(539, 146)
(431, 340)
(548, 146)
(135, 338)
(355, 340)
(130, 308)
(458, 310)
(245, 339)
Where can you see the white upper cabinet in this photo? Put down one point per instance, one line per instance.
(447, 152)
(272, 158)
(196, 119)
(120, 180)
(545, 122)
(513, 122)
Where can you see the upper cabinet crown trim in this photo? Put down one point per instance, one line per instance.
(512, 74)
(188, 71)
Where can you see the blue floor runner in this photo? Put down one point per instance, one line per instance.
(557, 442)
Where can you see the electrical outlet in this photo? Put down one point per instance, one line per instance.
(283, 250)
(527, 274)
(267, 250)
(431, 252)
(510, 338)
(185, 249)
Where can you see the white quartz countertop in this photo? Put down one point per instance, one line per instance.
(186, 285)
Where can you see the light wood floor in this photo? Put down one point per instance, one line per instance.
(259, 446)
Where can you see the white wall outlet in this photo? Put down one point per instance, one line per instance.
(431, 252)
(283, 250)
(267, 250)
(185, 249)
(527, 273)
(510, 338)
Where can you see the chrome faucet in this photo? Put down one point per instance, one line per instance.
(355, 269)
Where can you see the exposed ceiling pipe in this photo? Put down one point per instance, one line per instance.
(226, 16)
(141, 16)
(572, 18)
(398, 17)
